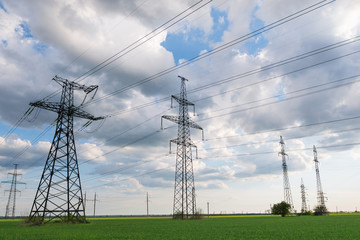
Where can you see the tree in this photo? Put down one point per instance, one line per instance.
(282, 209)
(320, 210)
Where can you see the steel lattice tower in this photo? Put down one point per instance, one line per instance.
(11, 205)
(320, 193)
(184, 190)
(303, 197)
(286, 183)
(59, 193)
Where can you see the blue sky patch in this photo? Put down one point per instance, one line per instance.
(40, 47)
(257, 43)
(185, 45)
(221, 24)
(189, 44)
(26, 32)
(2, 7)
(280, 92)
(4, 42)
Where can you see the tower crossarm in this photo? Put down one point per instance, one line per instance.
(182, 143)
(58, 107)
(75, 85)
(182, 101)
(178, 120)
(82, 114)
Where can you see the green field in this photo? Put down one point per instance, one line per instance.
(244, 227)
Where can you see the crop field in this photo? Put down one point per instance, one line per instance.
(238, 227)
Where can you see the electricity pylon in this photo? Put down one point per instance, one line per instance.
(11, 205)
(184, 190)
(59, 193)
(303, 197)
(286, 183)
(320, 193)
(92, 200)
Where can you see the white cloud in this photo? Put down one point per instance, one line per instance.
(95, 30)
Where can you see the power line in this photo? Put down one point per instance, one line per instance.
(291, 150)
(220, 48)
(287, 128)
(277, 101)
(255, 101)
(258, 70)
(85, 51)
(128, 178)
(132, 46)
(288, 138)
(287, 61)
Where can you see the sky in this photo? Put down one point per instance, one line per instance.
(253, 74)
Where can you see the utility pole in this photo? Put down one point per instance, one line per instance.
(11, 205)
(286, 182)
(94, 200)
(59, 194)
(303, 197)
(320, 193)
(184, 190)
(147, 204)
(208, 209)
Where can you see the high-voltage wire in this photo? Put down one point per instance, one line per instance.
(11, 205)
(291, 150)
(239, 135)
(134, 45)
(258, 70)
(221, 47)
(128, 178)
(199, 114)
(284, 62)
(285, 94)
(288, 138)
(34, 141)
(259, 31)
(80, 55)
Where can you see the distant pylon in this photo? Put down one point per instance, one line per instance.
(11, 205)
(286, 183)
(184, 190)
(320, 193)
(303, 197)
(92, 200)
(59, 194)
(147, 204)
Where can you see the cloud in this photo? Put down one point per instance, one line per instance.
(16, 150)
(41, 39)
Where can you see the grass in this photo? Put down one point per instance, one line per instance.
(304, 227)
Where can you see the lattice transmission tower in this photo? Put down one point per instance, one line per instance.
(184, 190)
(320, 193)
(59, 194)
(11, 205)
(303, 197)
(286, 182)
